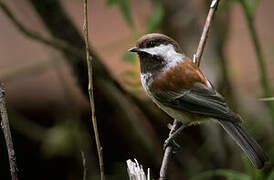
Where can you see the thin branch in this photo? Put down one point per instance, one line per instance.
(85, 168)
(201, 46)
(197, 60)
(90, 89)
(6, 130)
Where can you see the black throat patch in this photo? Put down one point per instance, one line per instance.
(151, 63)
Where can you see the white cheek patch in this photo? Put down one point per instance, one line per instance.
(168, 52)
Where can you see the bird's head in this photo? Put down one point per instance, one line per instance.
(157, 52)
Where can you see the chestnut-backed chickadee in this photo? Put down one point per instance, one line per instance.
(179, 88)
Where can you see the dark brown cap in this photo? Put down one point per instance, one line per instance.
(156, 39)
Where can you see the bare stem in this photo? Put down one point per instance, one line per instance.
(84, 162)
(201, 46)
(90, 90)
(6, 130)
(197, 60)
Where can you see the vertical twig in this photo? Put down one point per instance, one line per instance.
(201, 46)
(6, 130)
(90, 90)
(168, 153)
(259, 54)
(84, 162)
(197, 60)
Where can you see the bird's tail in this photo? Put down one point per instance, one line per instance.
(252, 149)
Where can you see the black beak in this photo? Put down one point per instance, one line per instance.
(134, 49)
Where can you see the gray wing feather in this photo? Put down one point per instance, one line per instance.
(200, 100)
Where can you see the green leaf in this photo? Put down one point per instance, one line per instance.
(155, 22)
(229, 174)
(125, 10)
(129, 57)
(267, 99)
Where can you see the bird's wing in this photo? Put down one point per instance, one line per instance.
(200, 100)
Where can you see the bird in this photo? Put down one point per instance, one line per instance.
(178, 87)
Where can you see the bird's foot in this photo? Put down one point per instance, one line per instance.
(171, 142)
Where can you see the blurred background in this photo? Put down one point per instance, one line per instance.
(45, 75)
